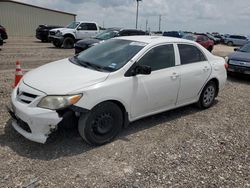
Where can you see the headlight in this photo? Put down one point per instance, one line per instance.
(58, 33)
(58, 102)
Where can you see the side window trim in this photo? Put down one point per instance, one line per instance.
(194, 46)
(162, 44)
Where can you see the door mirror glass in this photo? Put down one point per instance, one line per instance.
(79, 28)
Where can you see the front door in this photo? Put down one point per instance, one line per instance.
(157, 91)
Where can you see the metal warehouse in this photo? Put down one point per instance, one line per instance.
(21, 19)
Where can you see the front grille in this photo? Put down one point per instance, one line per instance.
(239, 69)
(25, 97)
(52, 32)
(239, 63)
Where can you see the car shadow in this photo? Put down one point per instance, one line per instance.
(67, 142)
(239, 78)
(55, 48)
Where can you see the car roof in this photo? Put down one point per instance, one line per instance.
(154, 39)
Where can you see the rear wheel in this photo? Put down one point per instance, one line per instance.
(68, 43)
(210, 48)
(207, 95)
(102, 124)
(230, 43)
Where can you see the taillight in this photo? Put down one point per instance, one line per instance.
(226, 66)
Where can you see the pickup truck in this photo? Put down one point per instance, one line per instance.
(42, 32)
(66, 37)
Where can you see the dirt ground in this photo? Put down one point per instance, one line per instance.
(181, 148)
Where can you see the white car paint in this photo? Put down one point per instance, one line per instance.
(141, 95)
(78, 34)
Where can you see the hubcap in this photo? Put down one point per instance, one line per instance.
(209, 95)
(103, 124)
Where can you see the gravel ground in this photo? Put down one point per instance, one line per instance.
(181, 148)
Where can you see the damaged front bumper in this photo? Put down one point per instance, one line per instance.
(32, 122)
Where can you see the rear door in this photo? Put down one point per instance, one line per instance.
(194, 72)
(86, 30)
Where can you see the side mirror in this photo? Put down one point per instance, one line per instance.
(79, 28)
(141, 69)
(236, 49)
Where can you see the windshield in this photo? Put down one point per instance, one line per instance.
(245, 48)
(110, 55)
(190, 37)
(73, 25)
(105, 35)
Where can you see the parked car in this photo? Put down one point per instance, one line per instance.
(210, 36)
(113, 83)
(3, 33)
(105, 35)
(220, 38)
(75, 31)
(202, 40)
(42, 32)
(1, 40)
(239, 61)
(236, 40)
(176, 34)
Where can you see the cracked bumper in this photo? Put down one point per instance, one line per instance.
(40, 122)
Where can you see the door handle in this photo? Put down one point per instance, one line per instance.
(174, 76)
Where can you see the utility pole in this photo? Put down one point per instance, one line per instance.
(160, 22)
(137, 10)
(146, 25)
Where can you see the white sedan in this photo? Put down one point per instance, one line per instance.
(113, 83)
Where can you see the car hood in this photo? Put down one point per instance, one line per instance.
(62, 77)
(63, 30)
(240, 56)
(87, 41)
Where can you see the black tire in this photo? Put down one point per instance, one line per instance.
(230, 43)
(210, 48)
(68, 42)
(57, 44)
(208, 95)
(102, 124)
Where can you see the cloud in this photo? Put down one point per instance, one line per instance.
(227, 16)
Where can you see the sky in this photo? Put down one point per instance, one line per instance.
(224, 16)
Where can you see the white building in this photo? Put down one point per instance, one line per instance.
(21, 19)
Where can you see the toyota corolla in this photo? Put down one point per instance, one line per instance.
(116, 82)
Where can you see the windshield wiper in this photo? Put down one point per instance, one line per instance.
(91, 65)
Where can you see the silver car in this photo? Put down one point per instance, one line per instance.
(236, 40)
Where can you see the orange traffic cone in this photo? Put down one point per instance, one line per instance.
(19, 73)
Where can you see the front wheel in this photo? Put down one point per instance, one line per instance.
(208, 95)
(68, 43)
(57, 44)
(230, 43)
(102, 124)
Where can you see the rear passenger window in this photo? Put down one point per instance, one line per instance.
(190, 54)
(91, 26)
(159, 57)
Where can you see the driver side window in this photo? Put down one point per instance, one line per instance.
(83, 26)
(160, 57)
